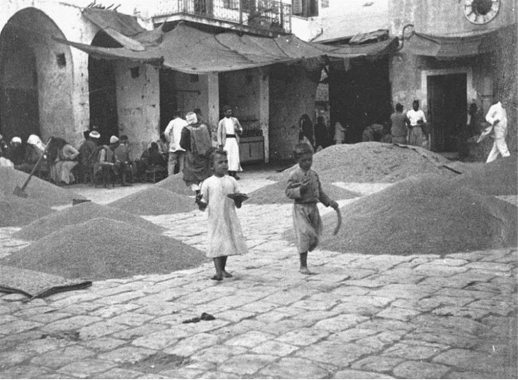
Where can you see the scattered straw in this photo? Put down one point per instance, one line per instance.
(103, 249)
(78, 214)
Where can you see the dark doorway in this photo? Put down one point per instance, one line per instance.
(168, 102)
(359, 95)
(447, 107)
(103, 92)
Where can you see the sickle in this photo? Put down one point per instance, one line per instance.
(339, 221)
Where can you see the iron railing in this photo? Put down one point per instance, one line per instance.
(264, 14)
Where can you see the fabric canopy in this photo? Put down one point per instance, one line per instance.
(189, 50)
(452, 46)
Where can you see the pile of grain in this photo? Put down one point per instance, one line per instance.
(155, 201)
(373, 162)
(103, 249)
(496, 178)
(17, 212)
(275, 193)
(78, 214)
(37, 189)
(423, 215)
(175, 184)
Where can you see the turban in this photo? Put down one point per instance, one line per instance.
(113, 139)
(94, 134)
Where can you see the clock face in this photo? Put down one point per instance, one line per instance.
(481, 11)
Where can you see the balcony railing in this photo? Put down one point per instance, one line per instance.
(263, 14)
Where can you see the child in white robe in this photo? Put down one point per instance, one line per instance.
(225, 234)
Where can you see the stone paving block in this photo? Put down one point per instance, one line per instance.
(247, 364)
(121, 298)
(189, 346)
(274, 348)
(405, 291)
(365, 310)
(48, 318)
(420, 370)
(86, 368)
(161, 339)
(468, 311)
(219, 375)
(218, 354)
(352, 374)
(30, 309)
(379, 341)
(72, 298)
(488, 266)
(303, 336)
(113, 310)
(250, 339)
(315, 316)
(437, 270)
(137, 332)
(284, 297)
(413, 351)
(81, 308)
(398, 313)
(234, 315)
(99, 329)
(383, 324)
(182, 373)
(13, 297)
(312, 305)
(13, 358)
(334, 353)
(72, 323)
(62, 357)
(340, 322)
(130, 354)
(119, 373)
(4, 318)
(294, 368)
(271, 317)
(258, 307)
(350, 291)
(472, 361)
(377, 363)
(103, 344)
(352, 335)
(132, 319)
(473, 375)
(18, 326)
(160, 308)
(23, 372)
(459, 325)
(444, 336)
(376, 301)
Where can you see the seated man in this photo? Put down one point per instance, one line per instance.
(373, 132)
(151, 159)
(104, 164)
(123, 160)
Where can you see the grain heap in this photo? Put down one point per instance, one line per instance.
(495, 178)
(175, 184)
(102, 249)
(275, 194)
(423, 215)
(37, 189)
(16, 212)
(155, 201)
(373, 162)
(78, 214)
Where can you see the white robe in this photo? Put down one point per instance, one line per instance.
(225, 233)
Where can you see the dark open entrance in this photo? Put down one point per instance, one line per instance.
(103, 92)
(359, 95)
(447, 107)
(168, 102)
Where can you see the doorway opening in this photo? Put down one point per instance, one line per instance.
(103, 91)
(447, 106)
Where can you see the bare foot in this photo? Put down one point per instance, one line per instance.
(304, 270)
(216, 278)
(226, 274)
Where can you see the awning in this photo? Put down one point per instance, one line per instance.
(189, 50)
(453, 46)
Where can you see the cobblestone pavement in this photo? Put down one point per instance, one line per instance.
(358, 316)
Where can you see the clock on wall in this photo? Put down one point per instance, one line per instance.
(481, 11)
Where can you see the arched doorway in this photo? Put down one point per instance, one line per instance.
(35, 78)
(103, 91)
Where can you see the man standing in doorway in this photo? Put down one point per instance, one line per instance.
(229, 130)
(497, 118)
(173, 134)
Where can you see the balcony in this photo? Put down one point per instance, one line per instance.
(259, 16)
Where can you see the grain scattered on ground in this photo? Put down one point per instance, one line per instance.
(102, 249)
(78, 214)
(373, 162)
(422, 215)
(37, 189)
(155, 201)
(275, 193)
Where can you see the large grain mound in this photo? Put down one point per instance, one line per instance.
(37, 189)
(175, 184)
(17, 212)
(496, 178)
(155, 201)
(373, 162)
(103, 249)
(275, 193)
(78, 214)
(423, 215)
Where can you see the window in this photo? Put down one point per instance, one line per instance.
(61, 60)
(305, 8)
(231, 4)
(135, 72)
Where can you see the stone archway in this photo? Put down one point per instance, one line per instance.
(35, 78)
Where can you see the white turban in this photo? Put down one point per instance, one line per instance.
(16, 140)
(113, 139)
(94, 134)
(191, 118)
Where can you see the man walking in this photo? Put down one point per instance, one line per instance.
(497, 118)
(173, 134)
